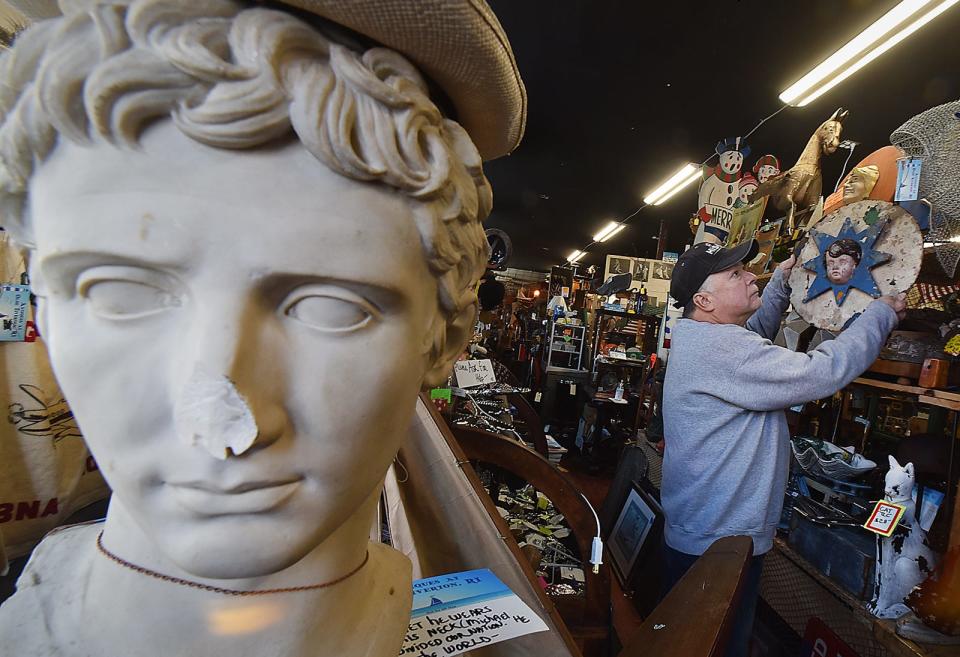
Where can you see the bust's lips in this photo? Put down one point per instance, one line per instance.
(211, 499)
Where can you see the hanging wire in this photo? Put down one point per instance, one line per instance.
(756, 127)
(633, 214)
(843, 171)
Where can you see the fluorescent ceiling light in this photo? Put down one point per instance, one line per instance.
(892, 28)
(575, 256)
(673, 184)
(609, 231)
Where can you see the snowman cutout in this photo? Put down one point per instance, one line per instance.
(720, 190)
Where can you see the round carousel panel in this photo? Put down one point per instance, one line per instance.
(854, 255)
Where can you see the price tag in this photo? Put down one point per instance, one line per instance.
(885, 517)
(441, 393)
(537, 396)
(908, 179)
(573, 389)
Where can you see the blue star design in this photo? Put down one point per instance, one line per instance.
(862, 278)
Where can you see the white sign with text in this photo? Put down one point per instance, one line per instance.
(455, 613)
(473, 373)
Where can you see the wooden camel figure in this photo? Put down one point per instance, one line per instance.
(801, 186)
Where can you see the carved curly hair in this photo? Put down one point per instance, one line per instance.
(234, 76)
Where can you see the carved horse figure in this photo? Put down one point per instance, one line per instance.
(801, 186)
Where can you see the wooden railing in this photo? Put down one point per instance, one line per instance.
(696, 617)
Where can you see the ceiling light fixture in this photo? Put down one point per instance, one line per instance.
(575, 256)
(673, 184)
(609, 231)
(889, 30)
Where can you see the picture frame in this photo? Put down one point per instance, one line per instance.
(618, 265)
(641, 271)
(662, 270)
(635, 533)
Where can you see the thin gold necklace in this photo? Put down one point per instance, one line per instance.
(216, 589)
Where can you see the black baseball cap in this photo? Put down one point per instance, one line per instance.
(701, 260)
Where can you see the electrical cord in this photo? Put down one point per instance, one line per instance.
(596, 549)
(843, 172)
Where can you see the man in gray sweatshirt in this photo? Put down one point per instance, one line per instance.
(726, 387)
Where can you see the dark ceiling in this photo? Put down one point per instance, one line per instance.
(622, 92)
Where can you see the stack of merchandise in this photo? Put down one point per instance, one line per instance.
(544, 537)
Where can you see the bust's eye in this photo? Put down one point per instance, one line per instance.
(329, 309)
(117, 292)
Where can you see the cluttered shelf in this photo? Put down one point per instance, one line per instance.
(884, 631)
(933, 397)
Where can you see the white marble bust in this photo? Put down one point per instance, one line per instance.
(253, 245)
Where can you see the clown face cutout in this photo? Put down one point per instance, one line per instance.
(766, 168)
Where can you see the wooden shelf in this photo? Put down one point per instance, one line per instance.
(896, 368)
(941, 398)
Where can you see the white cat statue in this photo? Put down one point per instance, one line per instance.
(905, 559)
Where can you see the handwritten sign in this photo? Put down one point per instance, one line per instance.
(472, 373)
(463, 611)
(885, 517)
(14, 301)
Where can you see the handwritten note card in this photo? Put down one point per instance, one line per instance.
(472, 373)
(462, 611)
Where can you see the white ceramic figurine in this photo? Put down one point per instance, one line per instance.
(905, 559)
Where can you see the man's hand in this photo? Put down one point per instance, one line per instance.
(787, 266)
(898, 303)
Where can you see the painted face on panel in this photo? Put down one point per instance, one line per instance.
(731, 161)
(854, 189)
(191, 293)
(840, 270)
(841, 261)
(748, 185)
(765, 172)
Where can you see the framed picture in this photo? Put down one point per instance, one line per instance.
(636, 532)
(663, 270)
(618, 265)
(641, 271)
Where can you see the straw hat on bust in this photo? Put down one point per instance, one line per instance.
(458, 44)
